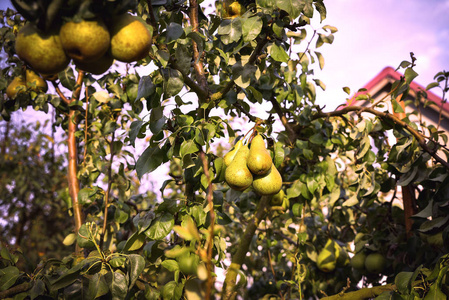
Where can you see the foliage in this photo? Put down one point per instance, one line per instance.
(344, 178)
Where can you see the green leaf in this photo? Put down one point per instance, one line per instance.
(402, 282)
(69, 276)
(292, 7)
(8, 277)
(321, 8)
(278, 53)
(172, 291)
(173, 83)
(320, 59)
(171, 265)
(82, 238)
(135, 267)
(174, 32)
(188, 147)
(67, 78)
(161, 227)
(410, 74)
(135, 242)
(435, 293)
(251, 28)
(117, 285)
(146, 88)
(134, 131)
(230, 30)
(149, 161)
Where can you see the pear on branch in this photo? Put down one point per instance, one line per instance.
(43, 51)
(17, 85)
(268, 184)
(259, 160)
(229, 157)
(237, 175)
(35, 82)
(327, 258)
(85, 41)
(130, 38)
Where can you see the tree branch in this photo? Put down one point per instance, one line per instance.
(229, 286)
(197, 60)
(361, 294)
(73, 155)
(201, 92)
(386, 116)
(23, 287)
(278, 109)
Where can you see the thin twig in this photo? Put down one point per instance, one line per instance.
(85, 125)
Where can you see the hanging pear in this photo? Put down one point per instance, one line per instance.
(231, 154)
(327, 258)
(237, 175)
(259, 160)
(268, 184)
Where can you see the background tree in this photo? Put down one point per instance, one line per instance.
(339, 171)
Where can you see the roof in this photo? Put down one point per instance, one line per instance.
(387, 76)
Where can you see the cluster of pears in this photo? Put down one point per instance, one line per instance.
(246, 166)
(93, 44)
(373, 263)
(30, 81)
(331, 256)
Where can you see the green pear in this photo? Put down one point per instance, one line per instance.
(268, 184)
(237, 175)
(342, 257)
(42, 51)
(130, 38)
(358, 261)
(259, 160)
(98, 66)
(35, 82)
(17, 85)
(375, 263)
(231, 154)
(85, 41)
(327, 260)
(278, 198)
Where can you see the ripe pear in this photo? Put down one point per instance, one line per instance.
(259, 160)
(98, 66)
(85, 41)
(130, 38)
(231, 154)
(42, 51)
(342, 257)
(35, 82)
(237, 175)
(268, 184)
(358, 261)
(17, 85)
(327, 260)
(375, 263)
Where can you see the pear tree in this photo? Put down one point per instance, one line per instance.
(298, 203)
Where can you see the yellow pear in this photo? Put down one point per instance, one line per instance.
(35, 82)
(130, 38)
(327, 259)
(85, 41)
(42, 51)
(237, 174)
(231, 154)
(259, 160)
(268, 184)
(17, 85)
(98, 66)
